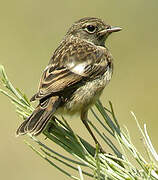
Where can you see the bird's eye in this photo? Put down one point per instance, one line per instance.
(91, 28)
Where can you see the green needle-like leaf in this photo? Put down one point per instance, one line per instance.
(99, 166)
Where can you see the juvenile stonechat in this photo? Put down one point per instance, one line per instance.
(75, 77)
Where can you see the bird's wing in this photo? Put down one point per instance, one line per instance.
(71, 64)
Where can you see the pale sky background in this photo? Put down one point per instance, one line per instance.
(30, 30)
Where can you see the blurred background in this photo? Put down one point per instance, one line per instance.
(30, 30)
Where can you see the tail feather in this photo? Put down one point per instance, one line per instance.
(21, 129)
(40, 117)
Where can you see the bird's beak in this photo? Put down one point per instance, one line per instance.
(113, 29)
(109, 30)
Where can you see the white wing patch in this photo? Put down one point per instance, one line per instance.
(77, 68)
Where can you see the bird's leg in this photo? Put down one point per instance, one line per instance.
(84, 120)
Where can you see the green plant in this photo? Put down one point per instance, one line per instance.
(101, 166)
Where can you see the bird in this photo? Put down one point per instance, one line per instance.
(75, 76)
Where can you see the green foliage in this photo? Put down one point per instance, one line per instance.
(101, 166)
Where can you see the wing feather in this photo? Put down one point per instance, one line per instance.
(71, 64)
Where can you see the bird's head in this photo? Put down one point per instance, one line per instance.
(92, 29)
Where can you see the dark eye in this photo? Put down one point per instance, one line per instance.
(91, 28)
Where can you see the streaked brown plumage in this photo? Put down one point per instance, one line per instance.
(75, 77)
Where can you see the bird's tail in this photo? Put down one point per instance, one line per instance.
(40, 117)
